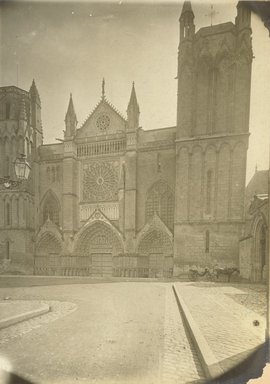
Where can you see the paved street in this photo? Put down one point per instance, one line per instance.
(227, 325)
(101, 333)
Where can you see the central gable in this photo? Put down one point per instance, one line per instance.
(104, 120)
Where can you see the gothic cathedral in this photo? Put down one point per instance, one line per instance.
(113, 199)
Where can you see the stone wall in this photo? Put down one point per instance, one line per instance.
(19, 258)
(205, 245)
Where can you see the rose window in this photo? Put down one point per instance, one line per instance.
(103, 122)
(100, 182)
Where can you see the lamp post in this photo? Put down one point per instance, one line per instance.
(22, 171)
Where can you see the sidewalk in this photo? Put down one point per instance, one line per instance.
(13, 312)
(222, 330)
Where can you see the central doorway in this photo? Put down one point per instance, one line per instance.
(102, 264)
(101, 244)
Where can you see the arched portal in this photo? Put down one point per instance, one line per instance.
(100, 244)
(47, 257)
(156, 249)
(260, 252)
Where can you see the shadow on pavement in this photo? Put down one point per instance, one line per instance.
(250, 368)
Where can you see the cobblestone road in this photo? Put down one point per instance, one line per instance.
(105, 333)
(180, 363)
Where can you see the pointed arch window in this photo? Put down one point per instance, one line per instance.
(51, 210)
(160, 200)
(213, 74)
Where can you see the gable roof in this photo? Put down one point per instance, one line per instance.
(107, 103)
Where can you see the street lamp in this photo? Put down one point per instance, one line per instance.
(22, 171)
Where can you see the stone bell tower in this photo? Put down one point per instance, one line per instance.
(214, 75)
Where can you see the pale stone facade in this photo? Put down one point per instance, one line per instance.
(115, 199)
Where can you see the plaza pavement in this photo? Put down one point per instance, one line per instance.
(130, 332)
(106, 333)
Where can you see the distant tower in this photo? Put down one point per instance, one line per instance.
(70, 119)
(70, 167)
(187, 27)
(20, 133)
(36, 115)
(185, 69)
(130, 192)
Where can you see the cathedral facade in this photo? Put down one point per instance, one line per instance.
(113, 199)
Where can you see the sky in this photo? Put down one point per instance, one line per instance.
(69, 47)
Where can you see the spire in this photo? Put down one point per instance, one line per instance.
(22, 113)
(71, 118)
(71, 110)
(133, 110)
(103, 88)
(34, 92)
(187, 27)
(186, 8)
(133, 103)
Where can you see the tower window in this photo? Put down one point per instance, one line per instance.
(209, 177)
(207, 241)
(213, 73)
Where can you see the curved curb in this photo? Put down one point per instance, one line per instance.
(209, 362)
(44, 308)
